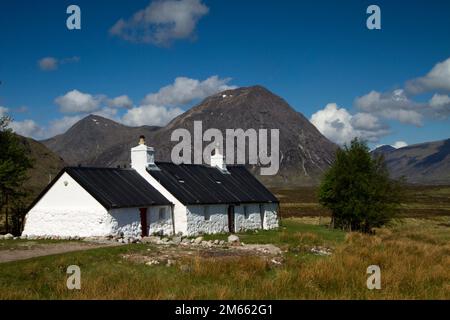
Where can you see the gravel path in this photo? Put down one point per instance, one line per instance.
(38, 250)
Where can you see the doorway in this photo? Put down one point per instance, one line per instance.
(144, 225)
(231, 219)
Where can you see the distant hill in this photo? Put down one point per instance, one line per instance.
(46, 165)
(304, 152)
(95, 140)
(423, 163)
(383, 149)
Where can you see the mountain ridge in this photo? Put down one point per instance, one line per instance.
(421, 163)
(304, 152)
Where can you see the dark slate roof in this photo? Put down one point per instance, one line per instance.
(201, 184)
(114, 187)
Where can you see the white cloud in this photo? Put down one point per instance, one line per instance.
(27, 128)
(156, 108)
(440, 105)
(52, 63)
(338, 125)
(161, 107)
(150, 115)
(109, 113)
(399, 144)
(438, 79)
(161, 22)
(3, 111)
(75, 101)
(185, 90)
(121, 102)
(60, 125)
(393, 105)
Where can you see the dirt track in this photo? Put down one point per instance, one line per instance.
(32, 250)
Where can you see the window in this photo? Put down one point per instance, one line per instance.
(162, 213)
(245, 212)
(207, 214)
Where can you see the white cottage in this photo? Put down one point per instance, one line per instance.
(152, 197)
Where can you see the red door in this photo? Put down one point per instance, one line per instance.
(144, 226)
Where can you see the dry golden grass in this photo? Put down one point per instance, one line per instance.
(413, 254)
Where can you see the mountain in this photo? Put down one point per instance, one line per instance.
(424, 163)
(383, 149)
(46, 165)
(304, 152)
(95, 140)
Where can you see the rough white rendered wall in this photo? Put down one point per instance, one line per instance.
(179, 211)
(197, 224)
(127, 221)
(67, 210)
(157, 225)
(270, 216)
(253, 220)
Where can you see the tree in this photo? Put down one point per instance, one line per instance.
(14, 164)
(358, 191)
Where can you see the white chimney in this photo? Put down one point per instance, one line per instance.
(142, 157)
(218, 160)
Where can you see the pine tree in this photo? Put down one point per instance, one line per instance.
(14, 164)
(358, 191)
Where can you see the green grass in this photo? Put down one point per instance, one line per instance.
(287, 234)
(412, 253)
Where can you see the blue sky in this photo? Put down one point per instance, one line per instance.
(318, 55)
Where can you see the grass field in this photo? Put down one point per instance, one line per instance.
(413, 253)
(419, 201)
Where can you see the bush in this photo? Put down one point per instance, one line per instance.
(358, 190)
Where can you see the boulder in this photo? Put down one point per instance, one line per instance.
(165, 241)
(198, 240)
(204, 243)
(152, 262)
(216, 242)
(232, 238)
(150, 239)
(176, 240)
(221, 242)
(8, 236)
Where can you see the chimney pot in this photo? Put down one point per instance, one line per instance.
(142, 156)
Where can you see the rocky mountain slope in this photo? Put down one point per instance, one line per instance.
(423, 163)
(97, 141)
(304, 152)
(46, 165)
